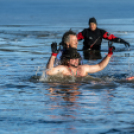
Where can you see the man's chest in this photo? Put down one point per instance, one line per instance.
(90, 35)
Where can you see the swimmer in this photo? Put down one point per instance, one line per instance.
(71, 64)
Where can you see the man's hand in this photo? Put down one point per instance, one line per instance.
(110, 52)
(124, 42)
(54, 49)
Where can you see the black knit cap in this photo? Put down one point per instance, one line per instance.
(71, 54)
(92, 20)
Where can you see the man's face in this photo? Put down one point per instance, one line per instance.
(73, 42)
(93, 26)
(74, 62)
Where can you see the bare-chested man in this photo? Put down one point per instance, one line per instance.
(71, 63)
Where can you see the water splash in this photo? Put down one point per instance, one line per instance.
(37, 70)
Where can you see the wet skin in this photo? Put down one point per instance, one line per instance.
(73, 42)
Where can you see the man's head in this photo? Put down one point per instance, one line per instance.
(92, 24)
(71, 57)
(69, 39)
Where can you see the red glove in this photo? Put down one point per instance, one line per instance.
(110, 52)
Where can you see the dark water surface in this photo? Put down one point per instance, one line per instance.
(102, 103)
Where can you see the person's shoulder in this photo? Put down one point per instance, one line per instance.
(62, 67)
(84, 66)
(100, 29)
(85, 29)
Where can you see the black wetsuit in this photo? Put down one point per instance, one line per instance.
(93, 39)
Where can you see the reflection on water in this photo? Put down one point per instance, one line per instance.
(31, 102)
(69, 95)
(92, 55)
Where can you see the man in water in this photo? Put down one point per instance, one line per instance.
(93, 37)
(71, 64)
(69, 40)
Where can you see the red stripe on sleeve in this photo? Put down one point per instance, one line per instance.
(109, 37)
(105, 35)
(80, 36)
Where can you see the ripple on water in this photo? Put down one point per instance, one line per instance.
(100, 103)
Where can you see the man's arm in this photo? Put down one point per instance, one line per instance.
(111, 37)
(98, 67)
(51, 70)
(80, 36)
(51, 62)
(101, 65)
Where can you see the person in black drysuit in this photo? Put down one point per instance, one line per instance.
(93, 37)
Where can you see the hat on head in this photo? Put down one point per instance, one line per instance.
(92, 20)
(71, 54)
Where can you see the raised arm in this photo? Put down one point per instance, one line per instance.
(100, 66)
(51, 61)
(51, 70)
